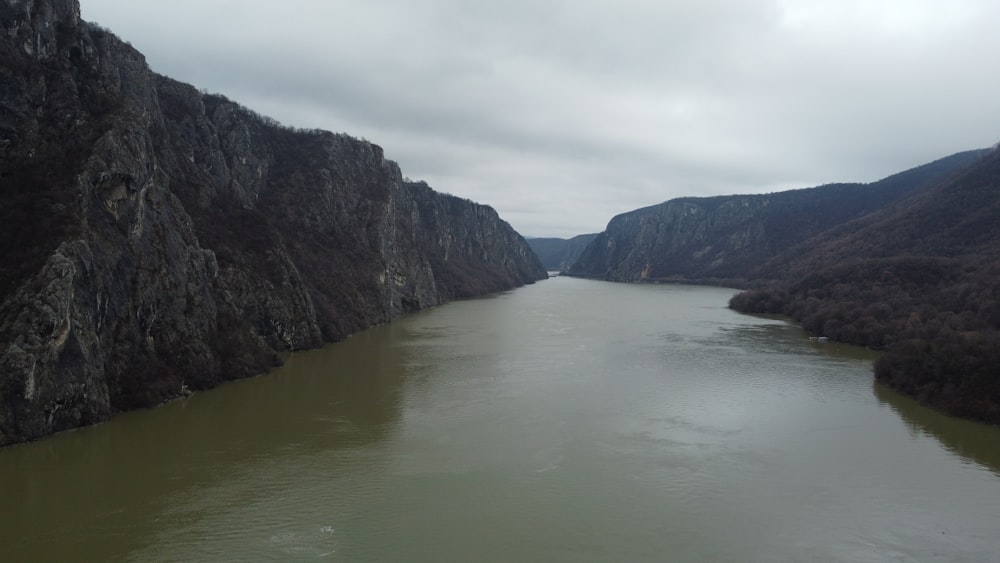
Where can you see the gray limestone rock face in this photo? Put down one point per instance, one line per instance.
(158, 240)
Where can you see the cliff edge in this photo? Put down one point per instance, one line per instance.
(158, 240)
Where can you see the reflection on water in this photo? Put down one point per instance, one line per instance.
(108, 488)
(974, 441)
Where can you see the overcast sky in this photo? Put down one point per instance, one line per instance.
(561, 114)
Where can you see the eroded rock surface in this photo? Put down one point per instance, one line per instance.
(158, 240)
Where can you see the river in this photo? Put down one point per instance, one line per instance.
(570, 420)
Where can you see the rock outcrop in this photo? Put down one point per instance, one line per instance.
(158, 240)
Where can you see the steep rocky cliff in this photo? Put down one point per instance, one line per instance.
(728, 239)
(156, 240)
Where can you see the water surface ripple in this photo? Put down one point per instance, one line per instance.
(571, 420)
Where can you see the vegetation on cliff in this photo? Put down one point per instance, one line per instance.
(733, 240)
(920, 281)
(909, 265)
(157, 239)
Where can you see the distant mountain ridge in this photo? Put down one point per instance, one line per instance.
(729, 240)
(959, 216)
(558, 254)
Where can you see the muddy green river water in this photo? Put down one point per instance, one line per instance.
(570, 420)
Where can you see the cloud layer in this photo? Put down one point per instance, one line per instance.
(562, 114)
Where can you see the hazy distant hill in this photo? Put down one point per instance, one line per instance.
(731, 240)
(558, 254)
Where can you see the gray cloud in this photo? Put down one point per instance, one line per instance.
(561, 114)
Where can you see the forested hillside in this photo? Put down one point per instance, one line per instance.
(909, 265)
(920, 281)
(733, 240)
